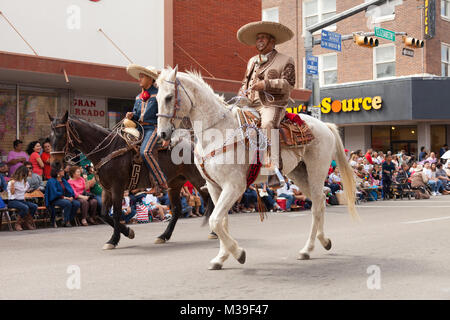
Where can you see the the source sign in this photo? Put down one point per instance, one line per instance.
(91, 109)
(385, 34)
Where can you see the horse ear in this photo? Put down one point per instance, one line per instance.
(173, 74)
(65, 117)
(50, 117)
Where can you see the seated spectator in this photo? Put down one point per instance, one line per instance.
(376, 174)
(94, 187)
(186, 210)
(67, 171)
(354, 160)
(45, 156)
(395, 160)
(59, 193)
(334, 181)
(367, 166)
(375, 158)
(17, 157)
(17, 187)
(249, 199)
(157, 210)
(288, 192)
(3, 184)
(442, 175)
(87, 201)
(4, 171)
(267, 196)
(193, 198)
(368, 156)
(301, 198)
(163, 199)
(432, 158)
(127, 211)
(434, 183)
(34, 149)
(402, 174)
(413, 168)
(34, 180)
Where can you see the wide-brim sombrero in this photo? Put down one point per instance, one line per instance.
(247, 33)
(134, 70)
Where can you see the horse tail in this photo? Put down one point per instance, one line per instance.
(346, 170)
(208, 211)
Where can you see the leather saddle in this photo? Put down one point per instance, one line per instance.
(292, 134)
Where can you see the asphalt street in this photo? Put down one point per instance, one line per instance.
(399, 250)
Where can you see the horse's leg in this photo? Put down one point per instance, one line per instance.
(219, 224)
(175, 201)
(314, 190)
(117, 196)
(106, 207)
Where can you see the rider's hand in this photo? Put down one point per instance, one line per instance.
(258, 86)
(129, 115)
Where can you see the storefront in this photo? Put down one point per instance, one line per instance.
(402, 113)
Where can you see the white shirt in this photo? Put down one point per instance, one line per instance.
(428, 173)
(334, 177)
(289, 192)
(125, 202)
(20, 189)
(149, 198)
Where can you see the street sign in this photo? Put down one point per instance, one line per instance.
(385, 34)
(408, 52)
(331, 40)
(312, 65)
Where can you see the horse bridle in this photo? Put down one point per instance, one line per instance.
(71, 135)
(176, 106)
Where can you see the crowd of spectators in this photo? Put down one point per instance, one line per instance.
(76, 191)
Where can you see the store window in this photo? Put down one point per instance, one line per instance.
(8, 120)
(270, 14)
(445, 60)
(438, 137)
(318, 10)
(117, 109)
(394, 138)
(381, 138)
(384, 61)
(445, 8)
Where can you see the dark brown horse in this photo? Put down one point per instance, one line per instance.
(70, 133)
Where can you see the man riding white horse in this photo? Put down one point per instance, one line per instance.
(144, 111)
(269, 79)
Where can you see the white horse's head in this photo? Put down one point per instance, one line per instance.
(173, 102)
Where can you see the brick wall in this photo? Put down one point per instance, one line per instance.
(356, 63)
(206, 30)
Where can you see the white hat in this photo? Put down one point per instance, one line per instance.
(247, 33)
(134, 70)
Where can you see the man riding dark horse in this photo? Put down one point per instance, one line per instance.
(144, 112)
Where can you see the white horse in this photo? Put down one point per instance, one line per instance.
(187, 95)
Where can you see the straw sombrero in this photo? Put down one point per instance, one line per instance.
(247, 33)
(134, 70)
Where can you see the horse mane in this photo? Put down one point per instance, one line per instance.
(92, 125)
(196, 77)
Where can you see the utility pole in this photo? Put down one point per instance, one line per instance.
(309, 42)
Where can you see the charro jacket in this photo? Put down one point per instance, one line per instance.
(278, 74)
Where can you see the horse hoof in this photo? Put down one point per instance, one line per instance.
(242, 257)
(131, 234)
(328, 246)
(303, 256)
(215, 266)
(212, 235)
(159, 241)
(108, 246)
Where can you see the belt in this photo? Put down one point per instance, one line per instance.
(147, 124)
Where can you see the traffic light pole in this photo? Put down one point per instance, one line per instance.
(309, 42)
(366, 34)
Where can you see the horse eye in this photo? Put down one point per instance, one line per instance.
(169, 98)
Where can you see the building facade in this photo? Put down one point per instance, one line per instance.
(358, 72)
(76, 60)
